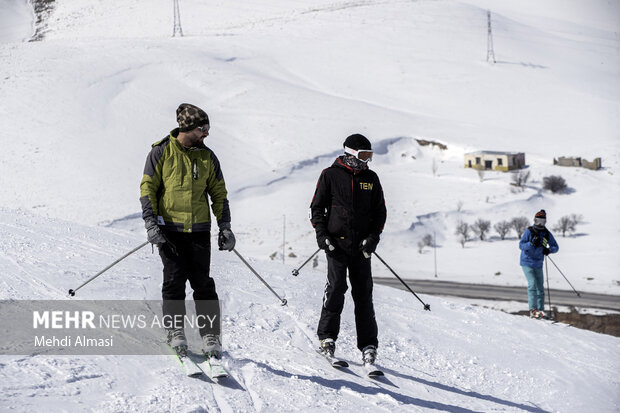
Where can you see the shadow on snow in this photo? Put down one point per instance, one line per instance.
(376, 389)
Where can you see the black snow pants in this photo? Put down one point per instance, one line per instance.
(189, 258)
(360, 278)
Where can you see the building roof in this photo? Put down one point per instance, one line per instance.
(493, 153)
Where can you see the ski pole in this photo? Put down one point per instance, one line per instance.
(72, 292)
(296, 271)
(426, 306)
(571, 285)
(282, 300)
(548, 289)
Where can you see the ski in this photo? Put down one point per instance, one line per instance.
(189, 366)
(213, 367)
(372, 371)
(335, 362)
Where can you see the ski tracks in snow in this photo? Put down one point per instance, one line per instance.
(301, 367)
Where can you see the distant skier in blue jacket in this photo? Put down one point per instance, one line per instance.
(536, 242)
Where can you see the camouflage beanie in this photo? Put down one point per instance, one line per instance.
(190, 117)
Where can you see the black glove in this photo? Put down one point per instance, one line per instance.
(325, 243)
(154, 235)
(226, 239)
(369, 245)
(546, 251)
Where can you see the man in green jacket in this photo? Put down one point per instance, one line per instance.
(180, 176)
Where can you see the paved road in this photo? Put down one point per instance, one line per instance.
(503, 293)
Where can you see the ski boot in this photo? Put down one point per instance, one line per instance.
(328, 347)
(176, 338)
(177, 341)
(212, 345)
(369, 355)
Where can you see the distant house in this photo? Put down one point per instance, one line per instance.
(565, 161)
(496, 161)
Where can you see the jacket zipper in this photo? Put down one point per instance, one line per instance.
(353, 237)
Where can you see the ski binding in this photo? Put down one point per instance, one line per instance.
(213, 367)
(189, 366)
(335, 362)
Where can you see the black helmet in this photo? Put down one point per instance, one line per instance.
(357, 142)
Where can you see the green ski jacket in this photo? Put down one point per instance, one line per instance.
(176, 183)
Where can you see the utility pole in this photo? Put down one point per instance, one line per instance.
(435, 249)
(177, 20)
(490, 51)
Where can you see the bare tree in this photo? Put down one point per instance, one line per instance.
(519, 224)
(554, 183)
(481, 227)
(520, 178)
(567, 223)
(462, 230)
(427, 241)
(502, 228)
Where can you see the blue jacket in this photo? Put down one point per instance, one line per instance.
(531, 255)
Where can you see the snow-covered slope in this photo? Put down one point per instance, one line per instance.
(454, 358)
(284, 82)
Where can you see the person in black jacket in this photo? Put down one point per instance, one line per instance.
(348, 213)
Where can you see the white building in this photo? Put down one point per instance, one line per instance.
(496, 161)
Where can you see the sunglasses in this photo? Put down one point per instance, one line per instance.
(204, 128)
(363, 155)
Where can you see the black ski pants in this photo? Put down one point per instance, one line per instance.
(189, 258)
(360, 277)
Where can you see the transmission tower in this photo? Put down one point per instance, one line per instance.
(177, 20)
(490, 52)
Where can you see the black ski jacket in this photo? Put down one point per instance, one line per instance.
(348, 206)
